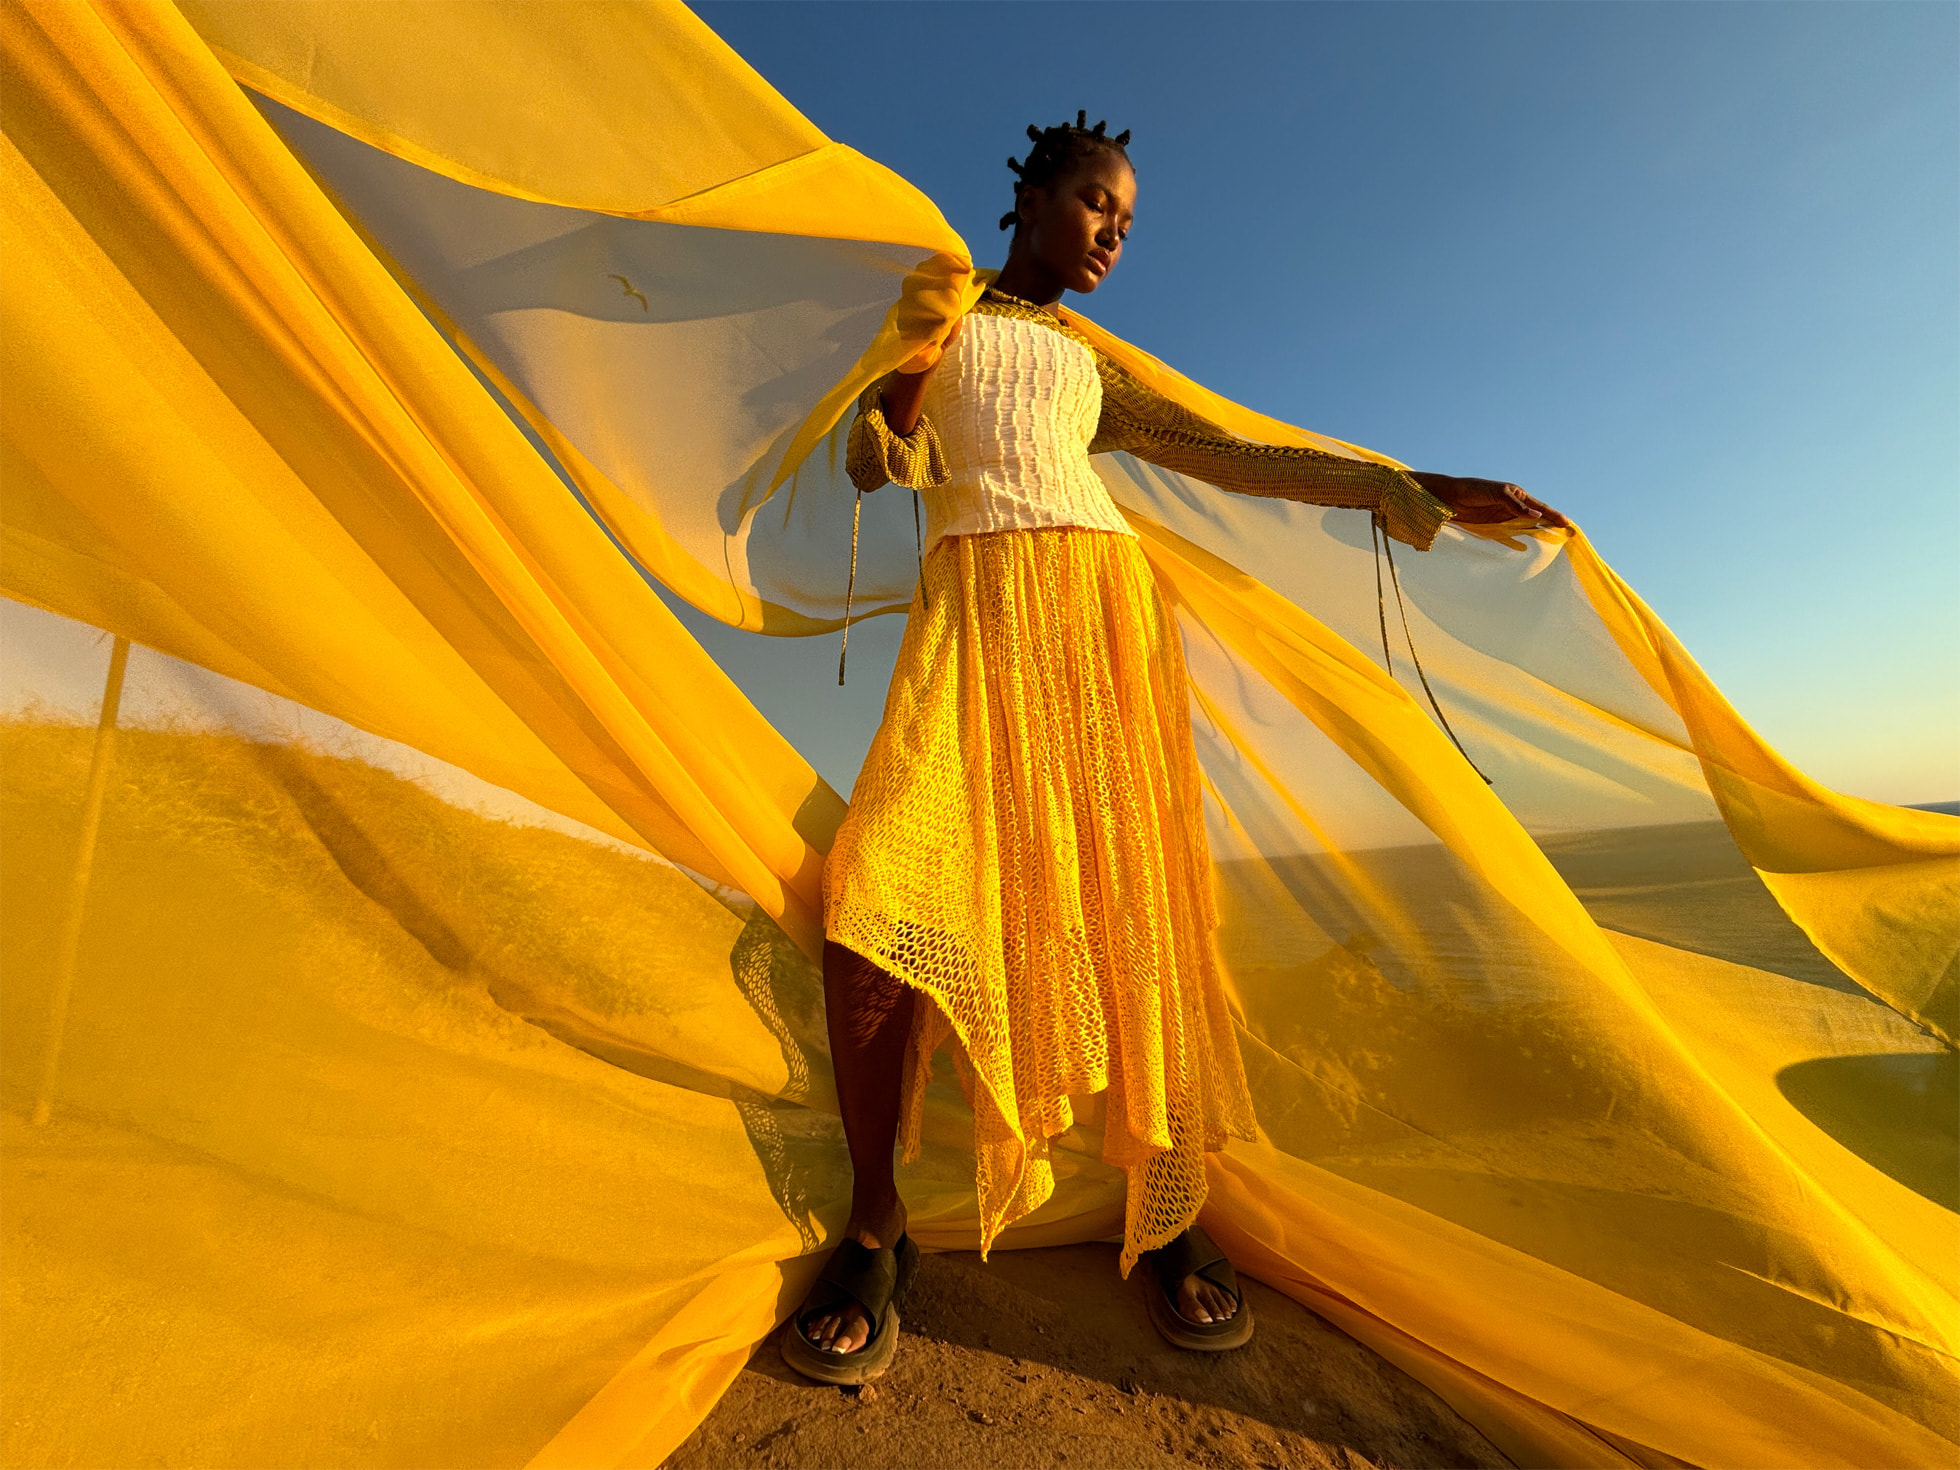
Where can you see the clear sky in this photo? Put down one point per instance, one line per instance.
(1690, 273)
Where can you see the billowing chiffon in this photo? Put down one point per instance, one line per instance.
(389, 1062)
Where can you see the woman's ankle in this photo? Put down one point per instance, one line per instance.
(877, 1223)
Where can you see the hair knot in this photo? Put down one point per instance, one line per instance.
(1057, 150)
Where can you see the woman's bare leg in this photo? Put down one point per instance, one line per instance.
(869, 1014)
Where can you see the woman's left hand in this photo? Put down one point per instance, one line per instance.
(1487, 502)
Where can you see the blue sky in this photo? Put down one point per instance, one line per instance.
(1689, 272)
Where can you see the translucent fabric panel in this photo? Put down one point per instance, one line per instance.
(668, 366)
(377, 1087)
(594, 128)
(231, 436)
(1592, 723)
(1658, 1147)
(1544, 701)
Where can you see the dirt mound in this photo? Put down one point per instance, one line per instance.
(1046, 1358)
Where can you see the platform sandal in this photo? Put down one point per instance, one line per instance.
(1193, 1254)
(877, 1282)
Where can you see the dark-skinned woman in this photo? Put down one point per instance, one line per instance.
(1023, 877)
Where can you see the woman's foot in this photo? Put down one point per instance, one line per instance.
(847, 1329)
(1194, 1295)
(1201, 1301)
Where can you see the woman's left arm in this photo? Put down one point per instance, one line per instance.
(1411, 506)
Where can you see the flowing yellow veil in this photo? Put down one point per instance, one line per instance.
(410, 1047)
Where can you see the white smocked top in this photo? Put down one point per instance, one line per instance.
(1015, 405)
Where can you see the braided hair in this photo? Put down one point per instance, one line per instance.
(1056, 151)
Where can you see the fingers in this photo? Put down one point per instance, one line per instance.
(1544, 513)
(1530, 506)
(1488, 502)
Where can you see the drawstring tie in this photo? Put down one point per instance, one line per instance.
(919, 550)
(850, 583)
(1378, 534)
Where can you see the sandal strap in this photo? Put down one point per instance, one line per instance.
(856, 1273)
(1193, 1253)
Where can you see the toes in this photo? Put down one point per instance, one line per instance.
(840, 1334)
(854, 1335)
(1202, 1302)
(1191, 1303)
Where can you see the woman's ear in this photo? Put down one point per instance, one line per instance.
(1031, 199)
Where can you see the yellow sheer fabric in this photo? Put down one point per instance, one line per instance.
(1026, 847)
(375, 1040)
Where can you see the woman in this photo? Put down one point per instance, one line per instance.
(1023, 873)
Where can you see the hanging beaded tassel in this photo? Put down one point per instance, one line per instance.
(850, 586)
(919, 545)
(1385, 543)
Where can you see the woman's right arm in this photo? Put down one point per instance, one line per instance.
(880, 451)
(904, 394)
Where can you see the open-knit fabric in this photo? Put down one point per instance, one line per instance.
(1026, 847)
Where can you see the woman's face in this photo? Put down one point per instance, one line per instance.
(1076, 225)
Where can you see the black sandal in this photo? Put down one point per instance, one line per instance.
(874, 1280)
(1193, 1254)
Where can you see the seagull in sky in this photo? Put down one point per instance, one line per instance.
(627, 286)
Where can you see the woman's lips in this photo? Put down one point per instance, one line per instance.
(1099, 264)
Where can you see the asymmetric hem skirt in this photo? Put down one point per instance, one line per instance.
(1025, 847)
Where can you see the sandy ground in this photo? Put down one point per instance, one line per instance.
(1046, 1358)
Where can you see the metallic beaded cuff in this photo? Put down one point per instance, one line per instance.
(874, 455)
(1410, 513)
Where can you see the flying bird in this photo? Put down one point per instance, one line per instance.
(627, 286)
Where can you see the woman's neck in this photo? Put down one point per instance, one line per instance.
(1028, 280)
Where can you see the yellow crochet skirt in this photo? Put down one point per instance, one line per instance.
(1025, 847)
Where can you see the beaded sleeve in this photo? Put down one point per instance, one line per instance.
(874, 455)
(1142, 421)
